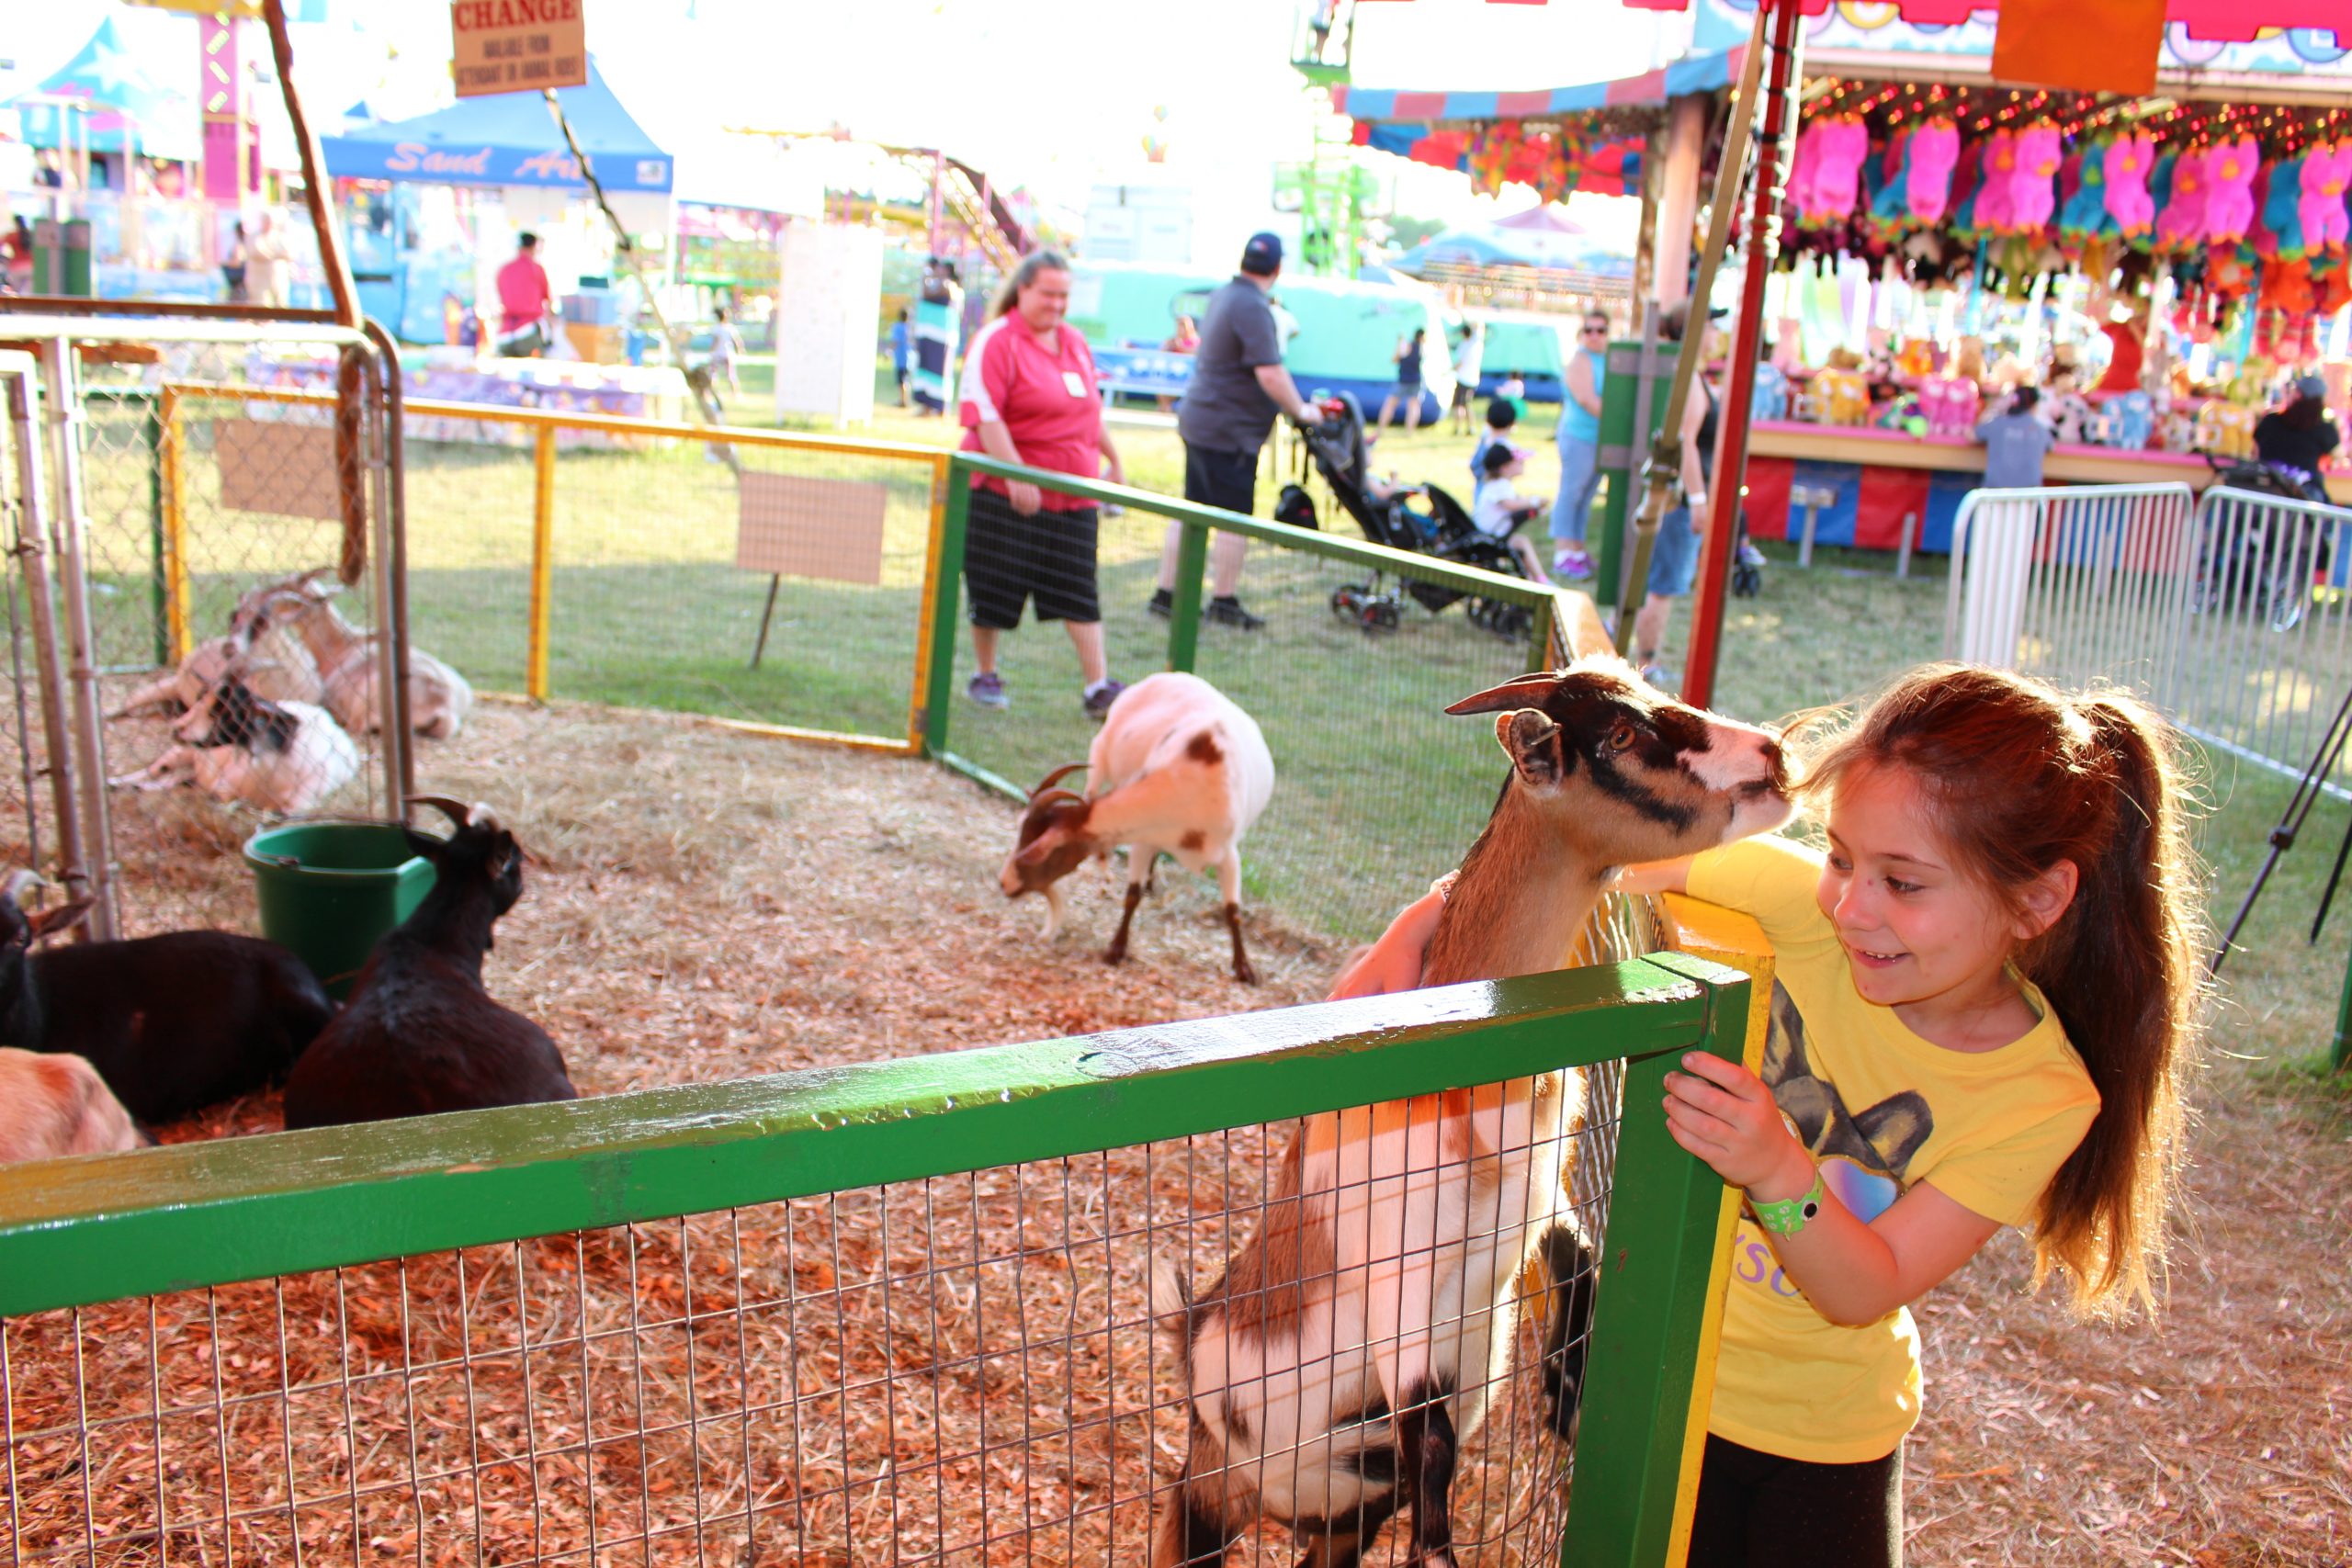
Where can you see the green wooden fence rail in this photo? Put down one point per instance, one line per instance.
(1192, 567)
(102, 1228)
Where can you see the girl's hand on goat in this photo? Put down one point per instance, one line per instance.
(1722, 1114)
(1393, 962)
(1024, 497)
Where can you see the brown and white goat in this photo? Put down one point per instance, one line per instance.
(1178, 768)
(439, 697)
(277, 666)
(237, 746)
(1352, 1344)
(53, 1105)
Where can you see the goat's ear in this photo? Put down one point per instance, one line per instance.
(64, 917)
(1533, 742)
(1527, 691)
(1036, 852)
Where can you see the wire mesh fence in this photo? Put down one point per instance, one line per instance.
(235, 609)
(22, 748)
(967, 1363)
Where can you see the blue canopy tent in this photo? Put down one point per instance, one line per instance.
(505, 139)
(122, 96)
(508, 138)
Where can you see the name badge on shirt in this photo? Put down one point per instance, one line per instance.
(1075, 382)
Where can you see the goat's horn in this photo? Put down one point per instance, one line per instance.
(1525, 691)
(21, 883)
(457, 811)
(1050, 780)
(1053, 796)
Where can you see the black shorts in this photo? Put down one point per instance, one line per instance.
(1227, 480)
(1010, 560)
(1757, 1510)
(1462, 390)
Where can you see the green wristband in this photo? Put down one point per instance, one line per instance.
(1788, 1215)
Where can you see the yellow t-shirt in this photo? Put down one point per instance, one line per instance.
(1880, 1109)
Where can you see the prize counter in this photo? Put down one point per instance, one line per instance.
(1865, 481)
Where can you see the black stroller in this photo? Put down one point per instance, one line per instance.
(1422, 519)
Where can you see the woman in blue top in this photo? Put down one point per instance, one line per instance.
(1408, 384)
(1580, 439)
(899, 343)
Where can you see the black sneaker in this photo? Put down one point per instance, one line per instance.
(1099, 697)
(1162, 604)
(1226, 611)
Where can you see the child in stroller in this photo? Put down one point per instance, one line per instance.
(1501, 509)
(1422, 519)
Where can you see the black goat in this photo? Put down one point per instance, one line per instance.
(421, 1035)
(172, 1022)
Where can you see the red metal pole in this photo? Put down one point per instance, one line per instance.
(1728, 481)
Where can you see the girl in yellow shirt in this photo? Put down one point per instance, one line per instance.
(1983, 1017)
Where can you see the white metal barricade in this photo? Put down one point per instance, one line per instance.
(2228, 614)
(2077, 583)
(2268, 649)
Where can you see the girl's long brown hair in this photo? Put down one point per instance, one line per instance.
(2021, 777)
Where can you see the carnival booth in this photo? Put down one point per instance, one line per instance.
(507, 169)
(2153, 265)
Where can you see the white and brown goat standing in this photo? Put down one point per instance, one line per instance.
(1177, 768)
(1352, 1344)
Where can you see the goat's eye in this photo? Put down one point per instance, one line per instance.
(1622, 735)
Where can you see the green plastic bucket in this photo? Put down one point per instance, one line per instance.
(328, 890)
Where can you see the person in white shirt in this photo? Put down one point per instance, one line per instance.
(1501, 509)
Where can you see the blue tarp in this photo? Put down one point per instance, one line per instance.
(106, 73)
(509, 139)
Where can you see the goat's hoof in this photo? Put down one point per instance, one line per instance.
(1244, 973)
(1115, 955)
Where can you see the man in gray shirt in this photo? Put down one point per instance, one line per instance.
(1238, 388)
(2015, 444)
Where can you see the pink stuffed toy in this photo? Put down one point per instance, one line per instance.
(1930, 157)
(2035, 195)
(1845, 146)
(2182, 222)
(1997, 190)
(2230, 169)
(2327, 170)
(2130, 159)
(1950, 403)
(1802, 168)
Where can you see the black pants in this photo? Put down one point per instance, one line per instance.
(1759, 1510)
(1225, 479)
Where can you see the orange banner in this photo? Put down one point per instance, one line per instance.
(2091, 46)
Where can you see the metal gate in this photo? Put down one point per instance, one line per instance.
(136, 538)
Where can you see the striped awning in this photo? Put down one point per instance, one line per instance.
(1698, 73)
(2215, 21)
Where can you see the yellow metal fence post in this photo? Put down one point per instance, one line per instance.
(542, 559)
(167, 409)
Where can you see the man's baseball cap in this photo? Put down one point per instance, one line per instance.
(1263, 254)
(2311, 386)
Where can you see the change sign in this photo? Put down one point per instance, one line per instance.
(516, 46)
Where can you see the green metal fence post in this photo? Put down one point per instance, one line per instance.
(2341, 1056)
(1184, 612)
(947, 591)
(1650, 1308)
(151, 427)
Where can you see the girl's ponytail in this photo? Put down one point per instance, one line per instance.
(2021, 778)
(2121, 968)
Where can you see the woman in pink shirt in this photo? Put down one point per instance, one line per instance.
(523, 298)
(1029, 395)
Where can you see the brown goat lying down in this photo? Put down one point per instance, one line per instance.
(1352, 1344)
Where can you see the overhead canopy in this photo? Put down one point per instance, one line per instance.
(106, 73)
(509, 139)
(1650, 89)
(2218, 21)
